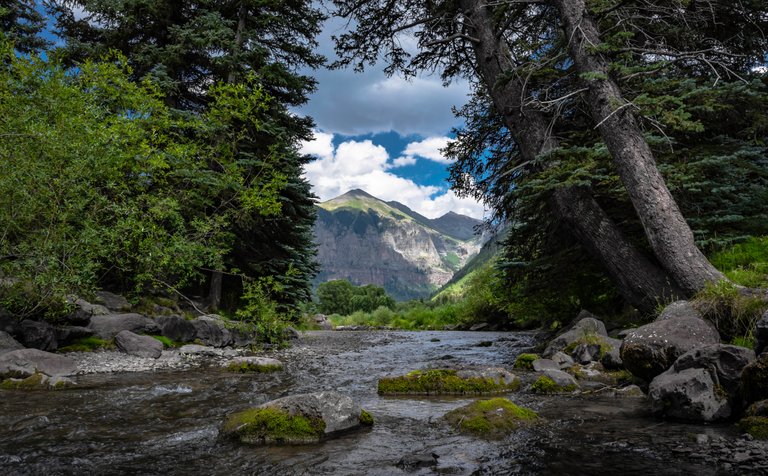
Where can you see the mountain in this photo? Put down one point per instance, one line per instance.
(370, 241)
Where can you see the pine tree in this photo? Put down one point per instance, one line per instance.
(22, 23)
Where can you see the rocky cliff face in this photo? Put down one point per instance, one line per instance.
(369, 241)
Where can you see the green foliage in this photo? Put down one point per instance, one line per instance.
(259, 313)
(745, 263)
(88, 344)
(22, 23)
(342, 297)
(525, 361)
(757, 426)
(273, 425)
(413, 315)
(167, 342)
(492, 418)
(441, 382)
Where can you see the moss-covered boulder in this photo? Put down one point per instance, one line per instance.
(36, 381)
(525, 361)
(253, 365)
(755, 421)
(492, 418)
(450, 382)
(554, 381)
(587, 325)
(297, 419)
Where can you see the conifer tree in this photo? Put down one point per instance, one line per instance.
(22, 24)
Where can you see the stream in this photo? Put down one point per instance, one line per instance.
(166, 422)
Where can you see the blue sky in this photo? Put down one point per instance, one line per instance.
(383, 135)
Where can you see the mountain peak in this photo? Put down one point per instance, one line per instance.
(357, 193)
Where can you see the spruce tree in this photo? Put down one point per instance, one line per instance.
(22, 24)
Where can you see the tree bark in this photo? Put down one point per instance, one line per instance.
(667, 231)
(642, 283)
(214, 293)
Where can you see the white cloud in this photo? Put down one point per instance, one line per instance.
(429, 149)
(403, 161)
(365, 165)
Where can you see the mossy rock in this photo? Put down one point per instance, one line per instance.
(273, 425)
(366, 419)
(546, 385)
(492, 418)
(254, 365)
(449, 382)
(525, 361)
(36, 381)
(757, 426)
(88, 344)
(590, 339)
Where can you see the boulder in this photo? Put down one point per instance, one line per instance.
(540, 365)
(176, 328)
(38, 335)
(211, 331)
(754, 380)
(322, 321)
(761, 334)
(8, 343)
(84, 311)
(66, 335)
(241, 338)
(9, 323)
(450, 382)
(562, 359)
(587, 326)
(679, 309)
(651, 349)
(26, 362)
(253, 365)
(586, 353)
(725, 363)
(290, 333)
(140, 346)
(202, 350)
(611, 360)
(690, 394)
(113, 302)
(296, 419)
(109, 325)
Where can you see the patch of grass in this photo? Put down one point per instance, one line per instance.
(366, 419)
(273, 425)
(36, 381)
(250, 367)
(525, 361)
(167, 343)
(757, 426)
(747, 341)
(441, 382)
(745, 263)
(546, 385)
(733, 313)
(88, 344)
(408, 316)
(492, 418)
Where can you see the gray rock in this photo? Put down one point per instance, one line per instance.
(677, 310)
(338, 412)
(540, 365)
(497, 374)
(109, 325)
(25, 362)
(290, 333)
(255, 362)
(84, 311)
(8, 343)
(725, 363)
(38, 335)
(322, 321)
(211, 331)
(416, 461)
(241, 338)
(479, 327)
(140, 346)
(176, 328)
(587, 326)
(761, 334)
(611, 360)
(586, 353)
(9, 323)
(561, 378)
(113, 302)
(562, 359)
(689, 395)
(205, 351)
(66, 335)
(624, 332)
(651, 349)
(630, 391)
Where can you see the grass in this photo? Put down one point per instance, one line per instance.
(88, 344)
(757, 426)
(408, 316)
(366, 419)
(492, 418)
(745, 263)
(250, 367)
(525, 361)
(733, 313)
(167, 343)
(441, 382)
(546, 385)
(273, 425)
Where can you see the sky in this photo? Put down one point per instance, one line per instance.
(383, 135)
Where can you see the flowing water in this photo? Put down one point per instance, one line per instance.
(167, 422)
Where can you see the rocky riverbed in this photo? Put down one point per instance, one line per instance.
(163, 416)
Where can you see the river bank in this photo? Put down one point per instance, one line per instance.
(167, 421)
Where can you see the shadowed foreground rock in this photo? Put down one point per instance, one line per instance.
(109, 325)
(140, 346)
(297, 419)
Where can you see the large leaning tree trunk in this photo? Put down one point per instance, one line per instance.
(667, 232)
(640, 281)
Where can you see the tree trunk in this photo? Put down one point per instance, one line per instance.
(214, 293)
(668, 233)
(638, 279)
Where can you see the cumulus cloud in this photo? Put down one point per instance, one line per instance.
(365, 165)
(429, 149)
(403, 161)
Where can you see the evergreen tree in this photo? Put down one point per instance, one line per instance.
(22, 24)
(185, 47)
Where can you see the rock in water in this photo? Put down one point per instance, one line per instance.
(109, 325)
(651, 349)
(689, 395)
(140, 346)
(297, 419)
(253, 365)
(726, 361)
(26, 362)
